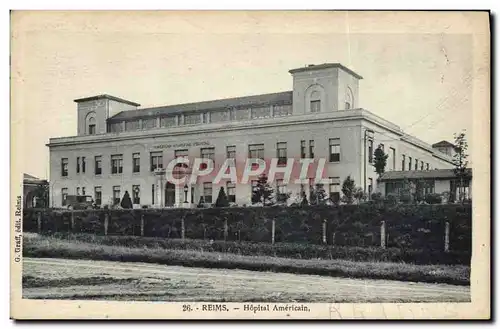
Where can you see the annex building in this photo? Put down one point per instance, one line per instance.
(120, 147)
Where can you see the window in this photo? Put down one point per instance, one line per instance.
(370, 150)
(281, 153)
(261, 112)
(98, 195)
(136, 162)
(334, 189)
(403, 160)
(281, 190)
(334, 149)
(168, 121)
(116, 194)
(256, 151)
(98, 165)
(91, 123)
(427, 166)
(83, 191)
(116, 127)
(64, 167)
(132, 125)
(192, 119)
(315, 106)
(302, 149)
(77, 191)
(416, 164)
(282, 110)
(231, 191)
(393, 158)
(181, 154)
(241, 114)
(207, 153)
(77, 165)
(64, 194)
(421, 165)
(92, 129)
(149, 123)
(153, 194)
(311, 149)
(348, 99)
(156, 159)
(409, 163)
(219, 116)
(83, 164)
(231, 152)
(117, 164)
(136, 194)
(207, 192)
(370, 187)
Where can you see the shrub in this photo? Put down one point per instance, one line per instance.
(377, 197)
(222, 200)
(126, 202)
(433, 198)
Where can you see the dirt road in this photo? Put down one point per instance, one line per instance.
(50, 278)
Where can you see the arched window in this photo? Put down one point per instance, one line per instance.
(314, 99)
(349, 101)
(91, 123)
(315, 102)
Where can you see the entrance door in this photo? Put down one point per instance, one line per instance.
(169, 194)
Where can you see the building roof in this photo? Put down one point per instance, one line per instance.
(106, 96)
(27, 178)
(247, 101)
(443, 144)
(313, 67)
(421, 174)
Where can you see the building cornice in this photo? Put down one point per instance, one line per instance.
(292, 120)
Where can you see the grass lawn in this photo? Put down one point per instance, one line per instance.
(50, 247)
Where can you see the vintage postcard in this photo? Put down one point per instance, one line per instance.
(250, 165)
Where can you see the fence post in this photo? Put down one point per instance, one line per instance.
(142, 224)
(446, 236)
(273, 231)
(72, 222)
(39, 222)
(106, 223)
(225, 230)
(382, 234)
(183, 229)
(324, 231)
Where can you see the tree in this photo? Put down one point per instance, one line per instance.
(263, 192)
(304, 201)
(460, 160)
(380, 160)
(318, 195)
(126, 201)
(348, 189)
(41, 193)
(222, 200)
(359, 194)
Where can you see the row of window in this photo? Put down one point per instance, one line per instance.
(417, 165)
(199, 118)
(255, 151)
(207, 189)
(391, 160)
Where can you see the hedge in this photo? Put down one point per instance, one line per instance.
(408, 227)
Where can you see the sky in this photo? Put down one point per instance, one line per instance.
(421, 81)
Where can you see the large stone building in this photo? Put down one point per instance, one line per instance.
(120, 147)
